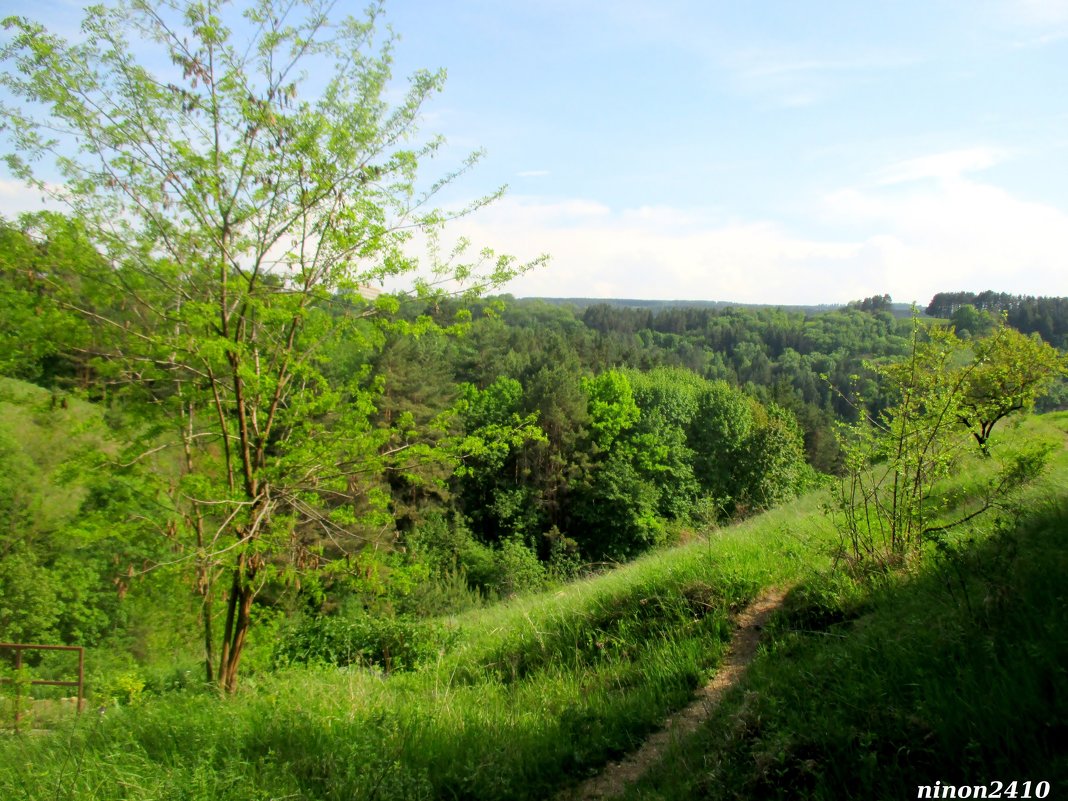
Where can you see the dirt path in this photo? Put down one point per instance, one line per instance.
(614, 779)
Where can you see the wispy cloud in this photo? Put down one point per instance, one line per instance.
(770, 65)
(942, 166)
(1039, 12)
(791, 79)
(532, 173)
(17, 198)
(1038, 23)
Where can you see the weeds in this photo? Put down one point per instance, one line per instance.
(865, 685)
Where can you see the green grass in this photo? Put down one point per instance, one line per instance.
(528, 696)
(939, 671)
(956, 671)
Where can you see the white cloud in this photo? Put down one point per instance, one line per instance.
(960, 234)
(1039, 12)
(791, 79)
(660, 252)
(16, 198)
(906, 236)
(1040, 22)
(532, 173)
(951, 164)
(922, 226)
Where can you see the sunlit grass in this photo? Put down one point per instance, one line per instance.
(529, 695)
(950, 671)
(535, 693)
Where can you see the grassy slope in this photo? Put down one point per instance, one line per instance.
(538, 692)
(45, 434)
(955, 672)
(46, 442)
(531, 695)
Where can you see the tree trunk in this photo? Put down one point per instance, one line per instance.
(209, 639)
(238, 618)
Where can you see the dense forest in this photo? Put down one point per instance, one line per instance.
(976, 312)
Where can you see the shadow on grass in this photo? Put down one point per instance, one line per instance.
(955, 673)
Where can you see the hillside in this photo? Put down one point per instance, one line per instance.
(314, 513)
(948, 671)
(897, 309)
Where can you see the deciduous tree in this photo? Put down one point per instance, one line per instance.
(245, 178)
(1009, 371)
(888, 497)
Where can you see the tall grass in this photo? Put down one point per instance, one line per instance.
(526, 697)
(952, 672)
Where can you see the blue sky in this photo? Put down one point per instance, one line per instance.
(766, 152)
(777, 152)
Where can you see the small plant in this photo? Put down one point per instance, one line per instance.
(124, 688)
(887, 504)
(15, 690)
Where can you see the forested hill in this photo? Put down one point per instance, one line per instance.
(1045, 316)
(656, 305)
(878, 303)
(479, 447)
(812, 363)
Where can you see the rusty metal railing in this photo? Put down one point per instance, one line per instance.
(18, 648)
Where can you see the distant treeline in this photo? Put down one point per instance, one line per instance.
(657, 305)
(1046, 316)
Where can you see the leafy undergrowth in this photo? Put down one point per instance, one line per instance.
(514, 702)
(952, 672)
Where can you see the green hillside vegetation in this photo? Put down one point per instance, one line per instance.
(71, 544)
(322, 541)
(951, 671)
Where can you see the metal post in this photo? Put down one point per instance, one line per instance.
(18, 688)
(81, 679)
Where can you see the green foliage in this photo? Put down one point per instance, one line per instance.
(614, 459)
(863, 686)
(772, 468)
(950, 674)
(123, 688)
(465, 571)
(29, 607)
(1008, 372)
(969, 322)
(519, 569)
(37, 336)
(389, 643)
(611, 408)
(615, 510)
(496, 430)
(526, 697)
(1047, 317)
(72, 539)
(240, 208)
(888, 502)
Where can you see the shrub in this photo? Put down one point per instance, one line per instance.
(390, 643)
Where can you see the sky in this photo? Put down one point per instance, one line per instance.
(775, 151)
